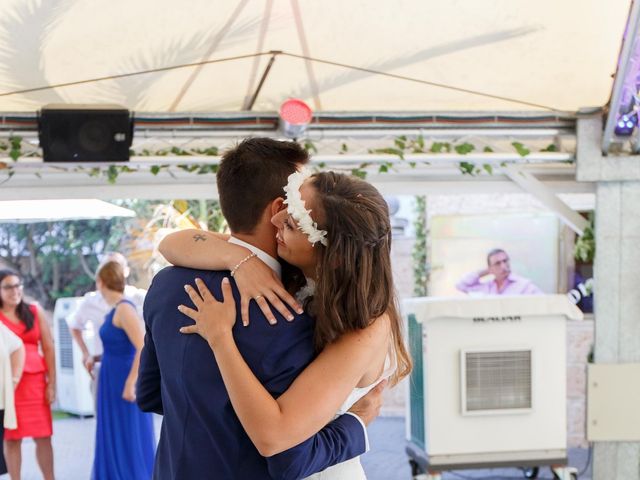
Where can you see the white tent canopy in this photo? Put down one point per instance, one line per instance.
(543, 55)
(520, 68)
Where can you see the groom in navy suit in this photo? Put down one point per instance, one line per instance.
(201, 436)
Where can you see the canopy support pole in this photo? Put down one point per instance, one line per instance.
(264, 77)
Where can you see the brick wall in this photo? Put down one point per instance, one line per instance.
(579, 342)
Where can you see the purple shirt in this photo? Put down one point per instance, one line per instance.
(514, 285)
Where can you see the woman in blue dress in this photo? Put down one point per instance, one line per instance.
(125, 443)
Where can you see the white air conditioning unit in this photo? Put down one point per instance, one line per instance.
(488, 387)
(73, 381)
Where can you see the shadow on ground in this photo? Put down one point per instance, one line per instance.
(74, 438)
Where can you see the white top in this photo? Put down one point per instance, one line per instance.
(9, 343)
(352, 469)
(390, 365)
(93, 308)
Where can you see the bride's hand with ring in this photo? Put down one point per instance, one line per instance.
(257, 281)
(214, 319)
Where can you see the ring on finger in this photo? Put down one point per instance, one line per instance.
(257, 297)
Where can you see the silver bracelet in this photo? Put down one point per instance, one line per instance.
(239, 264)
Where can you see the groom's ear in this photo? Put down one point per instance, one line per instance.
(277, 205)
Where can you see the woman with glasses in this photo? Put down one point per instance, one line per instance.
(36, 389)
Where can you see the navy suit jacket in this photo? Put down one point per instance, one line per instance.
(201, 435)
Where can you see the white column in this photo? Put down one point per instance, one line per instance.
(617, 276)
(617, 306)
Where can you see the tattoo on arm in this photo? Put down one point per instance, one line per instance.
(197, 237)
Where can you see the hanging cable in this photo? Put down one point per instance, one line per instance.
(132, 74)
(424, 82)
(292, 55)
(588, 462)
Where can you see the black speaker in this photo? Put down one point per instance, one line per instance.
(85, 133)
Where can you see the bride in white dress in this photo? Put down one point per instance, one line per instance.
(352, 469)
(335, 229)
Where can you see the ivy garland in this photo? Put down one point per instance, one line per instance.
(419, 253)
(111, 172)
(585, 248)
(404, 145)
(401, 147)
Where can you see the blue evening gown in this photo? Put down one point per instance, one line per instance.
(125, 443)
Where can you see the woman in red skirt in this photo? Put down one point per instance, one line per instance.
(36, 390)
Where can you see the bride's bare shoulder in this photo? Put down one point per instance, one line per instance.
(376, 334)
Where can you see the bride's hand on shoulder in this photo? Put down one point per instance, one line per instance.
(214, 319)
(257, 281)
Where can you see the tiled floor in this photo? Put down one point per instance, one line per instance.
(73, 448)
(387, 459)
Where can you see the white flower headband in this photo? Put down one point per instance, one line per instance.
(296, 208)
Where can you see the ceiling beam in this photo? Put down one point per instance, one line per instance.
(547, 197)
(32, 184)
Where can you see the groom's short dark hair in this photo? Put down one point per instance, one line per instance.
(251, 175)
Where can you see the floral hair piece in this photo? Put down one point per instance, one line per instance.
(296, 208)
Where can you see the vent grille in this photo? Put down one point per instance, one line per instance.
(65, 347)
(497, 380)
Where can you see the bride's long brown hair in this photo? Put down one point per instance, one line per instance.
(354, 282)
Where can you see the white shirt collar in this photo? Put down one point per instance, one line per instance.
(262, 255)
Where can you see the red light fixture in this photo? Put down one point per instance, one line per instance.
(295, 116)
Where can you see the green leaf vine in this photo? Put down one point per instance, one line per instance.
(419, 253)
(585, 248)
(401, 147)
